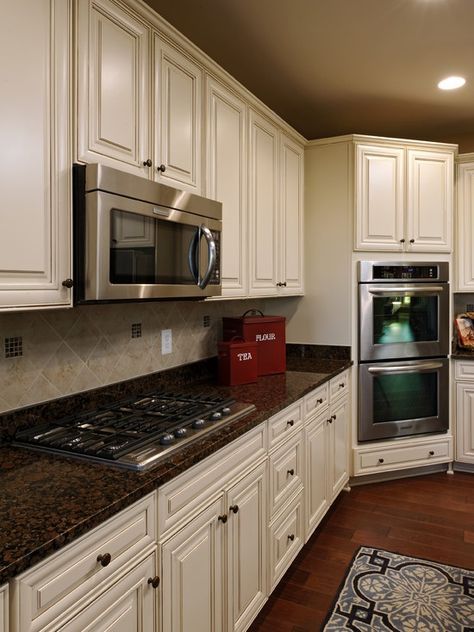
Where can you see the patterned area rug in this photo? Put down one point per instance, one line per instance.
(386, 591)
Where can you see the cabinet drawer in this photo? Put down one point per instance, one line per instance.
(53, 586)
(464, 370)
(4, 609)
(284, 423)
(316, 401)
(402, 457)
(339, 385)
(182, 496)
(286, 471)
(285, 538)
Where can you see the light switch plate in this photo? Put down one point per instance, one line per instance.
(166, 341)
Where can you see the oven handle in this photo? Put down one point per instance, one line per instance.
(212, 253)
(420, 289)
(419, 367)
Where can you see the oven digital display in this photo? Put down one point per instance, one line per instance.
(387, 273)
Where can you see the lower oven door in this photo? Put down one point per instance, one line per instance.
(403, 398)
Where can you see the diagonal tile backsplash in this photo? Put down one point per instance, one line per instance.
(73, 350)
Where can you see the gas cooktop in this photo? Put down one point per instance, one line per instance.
(136, 433)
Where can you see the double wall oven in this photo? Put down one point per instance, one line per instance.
(403, 348)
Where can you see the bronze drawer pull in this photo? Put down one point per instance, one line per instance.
(431, 452)
(223, 518)
(290, 422)
(290, 472)
(319, 400)
(234, 508)
(291, 537)
(381, 460)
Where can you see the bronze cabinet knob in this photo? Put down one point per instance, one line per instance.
(104, 559)
(147, 163)
(68, 283)
(234, 508)
(161, 168)
(154, 581)
(222, 518)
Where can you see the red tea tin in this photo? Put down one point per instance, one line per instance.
(269, 334)
(237, 362)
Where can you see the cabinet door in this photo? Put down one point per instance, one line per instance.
(465, 422)
(35, 204)
(177, 115)
(316, 482)
(291, 216)
(379, 197)
(464, 249)
(430, 182)
(227, 181)
(128, 606)
(338, 447)
(113, 81)
(263, 206)
(247, 547)
(193, 574)
(4, 626)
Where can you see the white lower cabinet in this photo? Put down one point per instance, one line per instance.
(286, 537)
(193, 574)
(214, 567)
(4, 609)
(129, 605)
(464, 395)
(327, 448)
(58, 590)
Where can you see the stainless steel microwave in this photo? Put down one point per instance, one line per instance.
(139, 240)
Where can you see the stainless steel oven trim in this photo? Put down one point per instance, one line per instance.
(97, 286)
(370, 431)
(369, 352)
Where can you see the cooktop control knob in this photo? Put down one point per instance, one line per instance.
(198, 423)
(215, 416)
(166, 439)
(226, 411)
(180, 432)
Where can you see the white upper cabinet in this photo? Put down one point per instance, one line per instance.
(177, 118)
(465, 225)
(121, 120)
(430, 182)
(291, 216)
(275, 210)
(379, 197)
(35, 207)
(113, 87)
(403, 198)
(226, 168)
(263, 205)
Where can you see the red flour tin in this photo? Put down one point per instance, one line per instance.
(237, 362)
(268, 332)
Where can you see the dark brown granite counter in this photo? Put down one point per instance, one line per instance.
(462, 354)
(48, 501)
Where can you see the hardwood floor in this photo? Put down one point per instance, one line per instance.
(430, 517)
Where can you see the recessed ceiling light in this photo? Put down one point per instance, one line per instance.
(451, 83)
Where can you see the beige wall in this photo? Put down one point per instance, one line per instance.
(72, 350)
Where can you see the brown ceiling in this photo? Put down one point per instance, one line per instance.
(332, 67)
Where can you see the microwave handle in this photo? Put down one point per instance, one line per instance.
(212, 255)
(193, 255)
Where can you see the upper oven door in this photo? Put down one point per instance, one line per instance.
(403, 320)
(136, 250)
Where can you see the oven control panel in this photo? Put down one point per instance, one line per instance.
(370, 271)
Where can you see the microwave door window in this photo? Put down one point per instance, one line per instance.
(404, 318)
(145, 250)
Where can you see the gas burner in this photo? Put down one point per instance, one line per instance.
(138, 432)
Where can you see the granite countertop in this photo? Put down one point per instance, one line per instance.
(462, 354)
(48, 501)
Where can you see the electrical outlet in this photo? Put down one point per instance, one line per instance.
(206, 321)
(166, 341)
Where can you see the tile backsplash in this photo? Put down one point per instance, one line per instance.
(59, 352)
